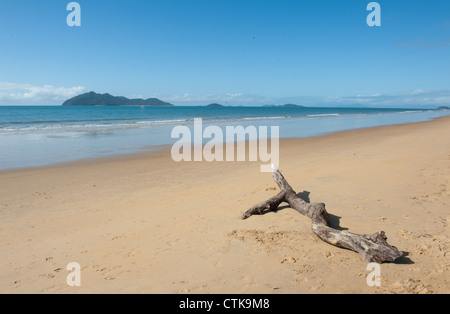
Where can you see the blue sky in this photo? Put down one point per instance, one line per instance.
(236, 52)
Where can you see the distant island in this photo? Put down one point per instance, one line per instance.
(95, 99)
(284, 106)
(443, 108)
(215, 105)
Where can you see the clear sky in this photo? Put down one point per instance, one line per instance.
(319, 52)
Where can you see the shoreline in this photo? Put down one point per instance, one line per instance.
(143, 223)
(60, 145)
(164, 149)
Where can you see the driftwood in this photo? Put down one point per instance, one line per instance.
(373, 248)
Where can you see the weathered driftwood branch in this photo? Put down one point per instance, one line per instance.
(373, 248)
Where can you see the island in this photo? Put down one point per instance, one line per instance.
(214, 105)
(443, 108)
(284, 106)
(95, 99)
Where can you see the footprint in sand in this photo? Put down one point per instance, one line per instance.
(48, 276)
(404, 233)
(184, 291)
(328, 254)
(305, 268)
(290, 261)
(109, 273)
(131, 253)
(412, 286)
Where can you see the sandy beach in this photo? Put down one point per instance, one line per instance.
(145, 224)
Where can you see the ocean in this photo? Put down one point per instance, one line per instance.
(44, 135)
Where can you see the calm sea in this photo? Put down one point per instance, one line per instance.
(37, 136)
